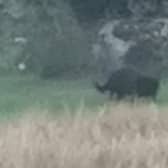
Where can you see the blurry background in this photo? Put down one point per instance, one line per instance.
(76, 42)
(66, 122)
(70, 38)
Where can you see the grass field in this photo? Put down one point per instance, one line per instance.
(18, 93)
(119, 134)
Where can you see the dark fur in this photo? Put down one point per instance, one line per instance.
(147, 87)
(127, 82)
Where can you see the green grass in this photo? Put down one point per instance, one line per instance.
(18, 93)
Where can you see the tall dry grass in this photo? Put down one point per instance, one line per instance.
(118, 136)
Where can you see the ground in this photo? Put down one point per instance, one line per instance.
(119, 134)
(19, 93)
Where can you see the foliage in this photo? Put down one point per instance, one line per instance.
(96, 9)
(138, 43)
(52, 36)
(48, 37)
(149, 54)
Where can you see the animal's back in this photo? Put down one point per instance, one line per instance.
(129, 82)
(147, 86)
(121, 82)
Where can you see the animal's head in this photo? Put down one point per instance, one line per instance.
(99, 87)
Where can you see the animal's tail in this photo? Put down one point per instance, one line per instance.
(100, 88)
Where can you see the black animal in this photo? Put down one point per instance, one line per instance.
(147, 87)
(128, 82)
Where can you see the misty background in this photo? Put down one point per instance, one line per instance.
(52, 53)
(74, 38)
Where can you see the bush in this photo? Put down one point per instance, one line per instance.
(58, 44)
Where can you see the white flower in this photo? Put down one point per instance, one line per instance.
(21, 66)
(22, 40)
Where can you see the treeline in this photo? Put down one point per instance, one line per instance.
(47, 37)
(43, 35)
(96, 9)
